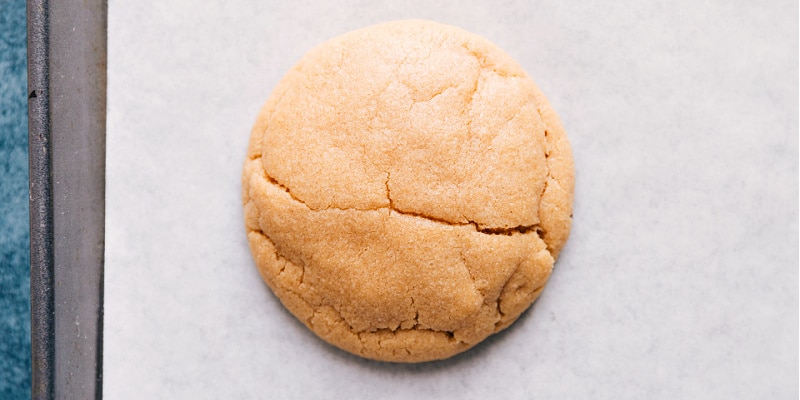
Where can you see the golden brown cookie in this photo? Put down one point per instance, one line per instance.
(407, 190)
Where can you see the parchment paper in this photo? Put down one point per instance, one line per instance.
(680, 279)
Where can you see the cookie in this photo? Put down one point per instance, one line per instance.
(406, 191)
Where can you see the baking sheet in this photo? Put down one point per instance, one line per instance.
(66, 138)
(680, 278)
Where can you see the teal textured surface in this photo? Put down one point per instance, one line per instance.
(15, 358)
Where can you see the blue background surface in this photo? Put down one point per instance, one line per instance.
(15, 332)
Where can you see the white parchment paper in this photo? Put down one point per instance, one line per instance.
(680, 279)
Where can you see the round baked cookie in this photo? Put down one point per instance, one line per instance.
(406, 191)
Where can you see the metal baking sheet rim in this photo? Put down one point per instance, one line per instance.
(66, 140)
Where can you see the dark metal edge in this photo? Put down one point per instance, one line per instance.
(41, 203)
(77, 122)
(67, 103)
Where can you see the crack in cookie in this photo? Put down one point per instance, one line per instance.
(521, 229)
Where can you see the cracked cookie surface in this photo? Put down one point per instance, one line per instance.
(406, 191)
